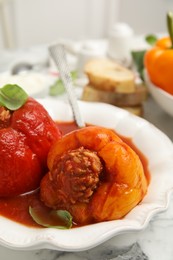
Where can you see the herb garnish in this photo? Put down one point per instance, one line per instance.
(62, 217)
(58, 87)
(12, 96)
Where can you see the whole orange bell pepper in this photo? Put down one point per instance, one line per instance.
(26, 135)
(159, 60)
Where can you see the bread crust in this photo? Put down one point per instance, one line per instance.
(119, 99)
(107, 75)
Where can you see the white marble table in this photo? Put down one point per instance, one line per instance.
(155, 241)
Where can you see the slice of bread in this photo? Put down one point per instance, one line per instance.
(118, 99)
(136, 110)
(108, 75)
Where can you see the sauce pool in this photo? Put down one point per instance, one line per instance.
(17, 208)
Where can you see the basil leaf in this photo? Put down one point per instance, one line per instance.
(74, 75)
(151, 39)
(62, 217)
(12, 96)
(138, 60)
(58, 87)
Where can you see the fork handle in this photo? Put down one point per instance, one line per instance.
(58, 55)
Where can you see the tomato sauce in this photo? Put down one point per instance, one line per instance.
(17, 208)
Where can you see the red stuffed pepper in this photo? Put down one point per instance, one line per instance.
(26, 135)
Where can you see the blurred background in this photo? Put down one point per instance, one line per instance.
(25, 23)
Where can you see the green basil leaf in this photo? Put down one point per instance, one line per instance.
(64, 215)
(12, 96)
(74, 75)
(138, 60)
(58, 87)
(60, 219)
(151, 39)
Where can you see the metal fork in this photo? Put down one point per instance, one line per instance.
(58, 54)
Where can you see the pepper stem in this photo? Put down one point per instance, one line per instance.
(170, 26)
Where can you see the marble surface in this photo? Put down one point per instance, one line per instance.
(155, 241)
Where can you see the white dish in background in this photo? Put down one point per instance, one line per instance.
(164, 99)
(155, 145)
(34, 83)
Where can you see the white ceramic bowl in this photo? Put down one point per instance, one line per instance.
(164, 99)
(157, 148)
(34, 83)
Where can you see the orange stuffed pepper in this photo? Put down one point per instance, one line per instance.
(94, 175)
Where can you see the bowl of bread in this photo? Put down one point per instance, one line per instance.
(112, 83)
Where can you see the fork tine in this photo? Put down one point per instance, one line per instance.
(58, 54)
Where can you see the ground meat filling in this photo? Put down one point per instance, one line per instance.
(77, 176)
(4, 117)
